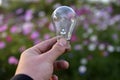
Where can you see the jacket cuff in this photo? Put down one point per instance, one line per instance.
(21, 77)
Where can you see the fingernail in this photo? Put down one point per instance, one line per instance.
(63, 42)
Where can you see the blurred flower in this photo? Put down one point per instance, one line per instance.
(2, 44)
(56, 5)
(3, 28)
(8, 38)
(74, 38)
(83, 61)
(47, 36)
(92, 46)
(101, 47)
(15, 29)
(19, 11)
(93, 38)
(34, 35)
(105, 54)
(13, 60)
(110, 48)
(82, 11)
(49, 1)
(85, 42)
(51, 27)
(22, 48)
(42, 21)
(4, 34)
(109, 9)
(78, 47)
(41, 14)
(115, 37)
(90, 57)
(27, 28)
(36, 41)
(1, 18)
(89, 30)
(28, 15)
(82, 69)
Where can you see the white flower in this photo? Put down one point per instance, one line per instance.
(92, 46)
(101, 47)
(3, 35)
(41, 14)
(83, 61)
(82, 69)
(90, 30)
(110, 48)
(93, 38)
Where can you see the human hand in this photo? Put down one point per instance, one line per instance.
(39, 62)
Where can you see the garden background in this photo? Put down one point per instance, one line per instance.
(95, 43)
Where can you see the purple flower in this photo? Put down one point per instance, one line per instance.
(82, 69)
(12, 60)
(19, 11)
(105, 54)
(90, 57)
(46, 36)
(36, 41)
(115, 36)
(28, 15)
(49, 1)
(51, 27)
(22, 48)
(3, 28)
(2, 44)
(14, 29)
(8, 38)
(82, 11)
(78, 47)
(34, 35)
(74, 38)
(42, 22)
(27, 28)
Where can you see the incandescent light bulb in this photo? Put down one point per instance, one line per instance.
(64, 21)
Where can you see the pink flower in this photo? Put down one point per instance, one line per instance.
(12, 60)
(51, 27)
(14, 29)
(2, 45)
(49, 1)
(37, 41)
(28, 15)
(22, 48)
(74, 38)
(8, 38)
(27, 28)
(46, 36)
(19, 11)
(77, 47)
(3, 28)
(42, 22)
(34, 35)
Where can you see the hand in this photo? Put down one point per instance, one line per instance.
(39, 62)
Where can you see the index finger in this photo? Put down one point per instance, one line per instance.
(45, 45)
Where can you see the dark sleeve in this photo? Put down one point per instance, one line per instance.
(21, 77)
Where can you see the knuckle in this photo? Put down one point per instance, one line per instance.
(59, 49)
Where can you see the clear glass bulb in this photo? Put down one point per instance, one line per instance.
(64, 21)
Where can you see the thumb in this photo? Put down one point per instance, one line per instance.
(57, 50)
